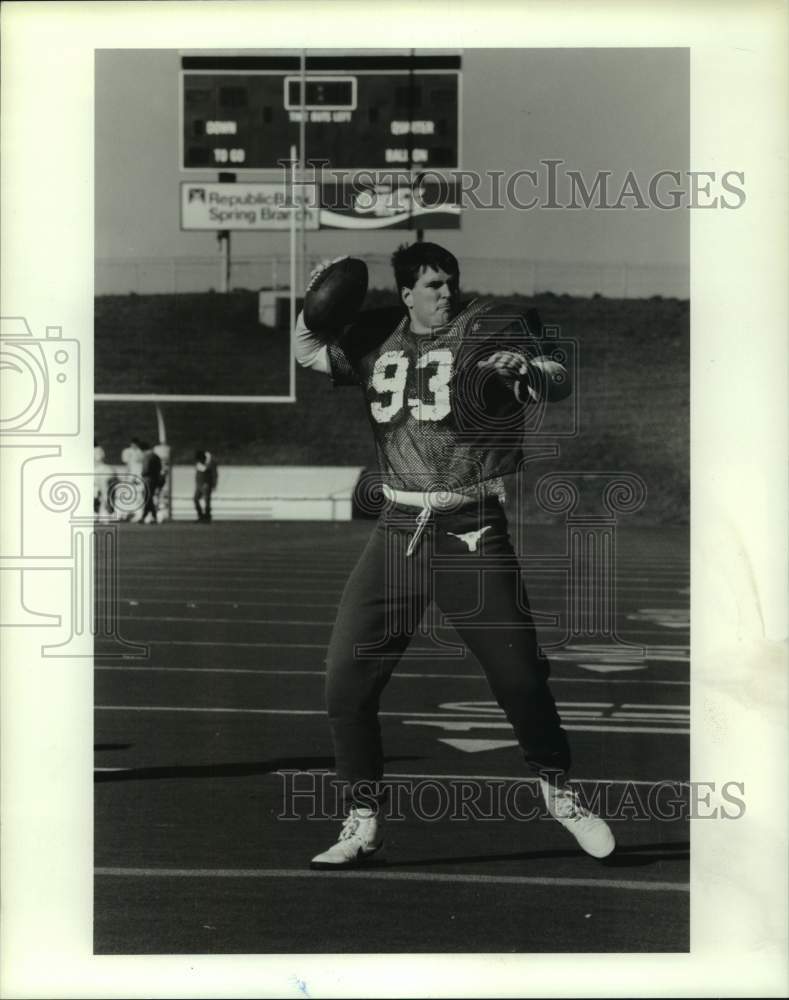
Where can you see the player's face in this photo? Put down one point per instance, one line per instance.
(432, 301)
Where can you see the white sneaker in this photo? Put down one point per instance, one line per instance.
(592, 833)
(360, 838)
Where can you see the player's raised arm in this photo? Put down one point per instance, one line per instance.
(310, 349)
(333, 297)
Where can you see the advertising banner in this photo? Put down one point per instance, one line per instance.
(244, 207)
(396, 205)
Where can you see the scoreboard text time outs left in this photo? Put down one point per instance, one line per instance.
(362, 112)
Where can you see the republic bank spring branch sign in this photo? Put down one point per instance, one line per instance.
(243, 207)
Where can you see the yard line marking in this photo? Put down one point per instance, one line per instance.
(244, 571)
(609, 680)
(534, 585)
(625, 729)
(519, 778)
(404, 674)
(305, 645)
(285, 673)
(527, 778)
(465, 726)
(261, 711)
(252, 645)
(630, 885)
(202, 602)
(199, 620)
(173, 571)
(681, 708)
(397, 715)
(185, 708)
(145, 598)
(225, 587)
(656, 716)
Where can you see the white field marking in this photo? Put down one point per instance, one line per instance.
(144, 572)
(482, 709)
(611, 668)
(252, 645)
(570, 727)
(616, 680)
(535, 586)
(305, 645)
(638, 633)
(655, 716)
(263, 568)
(437, 718)
(207, 602)
(654, 707)
(532, 779)
(285, 673)
(459, 726)
(397, 673)
(199, 620)
(591, 651)
(199, 602)
(630, 885)
(487, 707)
(171, 570)
(225, 587)
(478, 746)
(520, 778)
(233, 711)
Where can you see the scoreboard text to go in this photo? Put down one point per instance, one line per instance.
(360, 113)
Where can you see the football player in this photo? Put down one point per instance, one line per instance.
(444, 389)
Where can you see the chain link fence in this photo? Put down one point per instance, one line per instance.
(493, 276)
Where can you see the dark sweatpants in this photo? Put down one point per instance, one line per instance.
(483, 596)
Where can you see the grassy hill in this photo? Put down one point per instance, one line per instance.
(188, 343)
(632, 388)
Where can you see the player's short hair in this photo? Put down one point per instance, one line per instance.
(409, 260)
(200, 456)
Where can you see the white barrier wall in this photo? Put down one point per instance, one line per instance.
(270, 492)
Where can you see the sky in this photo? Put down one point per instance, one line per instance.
(596, 109)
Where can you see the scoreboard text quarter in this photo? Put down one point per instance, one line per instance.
(361, 112)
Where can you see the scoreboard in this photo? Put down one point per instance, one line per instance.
(361, 112)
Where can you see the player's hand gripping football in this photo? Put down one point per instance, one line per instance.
(508, 365)
(321, 267)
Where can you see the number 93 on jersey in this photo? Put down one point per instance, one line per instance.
(403, 386)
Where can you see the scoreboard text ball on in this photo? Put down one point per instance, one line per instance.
(361, 112)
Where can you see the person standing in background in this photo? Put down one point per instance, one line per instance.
(101, 500)
(206, 478)
(132, 457)
(152, 481)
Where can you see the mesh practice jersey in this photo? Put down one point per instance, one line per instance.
(439, 421)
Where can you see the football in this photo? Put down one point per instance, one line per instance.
(335, 295)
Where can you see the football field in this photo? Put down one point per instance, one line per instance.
(201, 845)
